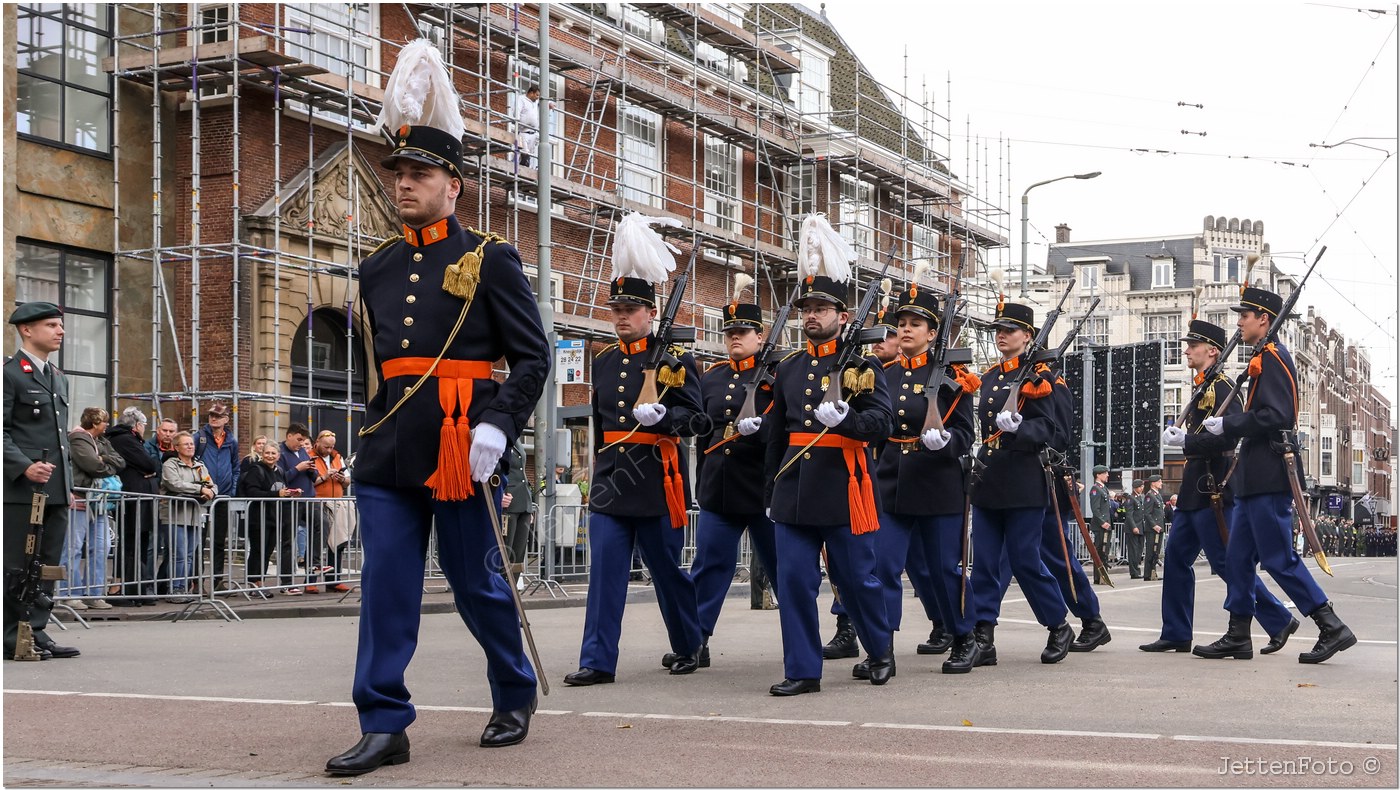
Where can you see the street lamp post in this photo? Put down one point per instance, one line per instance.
(1026, 218)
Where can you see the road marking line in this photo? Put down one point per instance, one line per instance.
(1390, 642)
(750, 720)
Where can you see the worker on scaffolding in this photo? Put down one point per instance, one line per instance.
(443, 305)
(525, 109)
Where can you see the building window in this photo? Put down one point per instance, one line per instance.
(556, 286)
(1171, 403)
(815, 84)
(523, 75)
(212, 26)
(632, 19)
(804, 198)
(1165, 327)
(1358, 466)
(1088, 279)
(342, 38)
(855, 212)
(926, 242)
(640, 144)
(1243, 352)
(1163, 273)
(722, 196)
(62, 94)
(1227, 268)
(712, 326)
(1093, 333)
(77, 281)
(1325, 455)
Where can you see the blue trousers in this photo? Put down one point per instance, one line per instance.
(611, 540)
(935, 559)
(799, 580)
(1262, 532)
(1084, 603)
(916, 567)
(1193, 530)
(717, 555)
(1017, 531)
(394, 525)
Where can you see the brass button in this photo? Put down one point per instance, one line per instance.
(902, 397)
(806, 407)
(621, 388)
(728, 412)
(814, 363)
(623, 374)
(622, 449)
(904, 426)
(901, 412)
(806, 456)
(806, 422)
(904, 386)
(908, 373)
(811, 376)
(622, 418)
(726, 451)
(807, 391)
(408, 320)
(626, 361)
(411, 299)
(403, 343)
(729, 397)
(736, 375)
(406, 389)
(731, 386)
(417, 256)
(413, 278)
(621, 404)
(995, 388)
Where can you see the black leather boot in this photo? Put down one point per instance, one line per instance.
(1057, 646)
(1333, 636)
(965, 656)
(1095, 633)
(985, 634)
(938, 642)
(1234, 644)
(1167, 646)
(881, 669)
(861, 671)
(843, 644)
(373, 750)
(508, 727)
(670, 658)
(1277, 641)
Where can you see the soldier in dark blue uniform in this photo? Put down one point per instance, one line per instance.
(730, 471)
(1262, 528)
(1010, 497)
(1195, 524)
(921, 480)
(436, 429)
(821, 489)
(36, 459)
(640, 492)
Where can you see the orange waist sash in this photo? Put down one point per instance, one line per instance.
(673, 483)
(452, 481)
(860, 490)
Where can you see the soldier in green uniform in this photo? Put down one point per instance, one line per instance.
(36, 460)
(1154, 520)
(1133, 534)
(1101, 516)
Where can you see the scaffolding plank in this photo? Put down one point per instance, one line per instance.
(261, 50)
(720, 32)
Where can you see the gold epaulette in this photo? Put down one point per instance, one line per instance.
(671, 377)
(714, 365)
(790, 355)
(462, 277)
(606, 349)
(857, 382)
(891, 362)
(677, 350)
(387, 242)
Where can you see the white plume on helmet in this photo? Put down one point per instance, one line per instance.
(741, 282)
(822, 251)
(420, 93)
(639, 251)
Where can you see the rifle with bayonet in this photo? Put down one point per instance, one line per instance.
(26, 581)
(1033, 350)
(943, 354)
(763, 369)
(850, 352)
(666, 334)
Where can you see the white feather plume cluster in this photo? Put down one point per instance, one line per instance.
(822, 252)
(997, 277)
(741, 282)
(920, 269)
(639, 251)
(420, 93)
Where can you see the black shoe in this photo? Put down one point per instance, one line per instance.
(1167, 646)
(373, 750)
(844, 643)
(1277, 641)
(684, 665)
(1057, 647)
(985, 634)
(966, 655)
(881, 669)
(588, 677)
(861, 671)
(56, 650)
(508, 727)
(1234, 644)
(938, 643)
(670, 658)
(123, 602)
(791, 688)
(1095, 633)
(1333, 636)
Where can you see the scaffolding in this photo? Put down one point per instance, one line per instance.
(271, 230)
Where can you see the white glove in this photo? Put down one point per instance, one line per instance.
(1009, 422)
(768, 513)
(831, 414)
(935, 439)
(649, 414)
(749, 425)
(488, 444)
(1173, 437)
(1215, 425)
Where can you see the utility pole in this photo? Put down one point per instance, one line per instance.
(547, 407)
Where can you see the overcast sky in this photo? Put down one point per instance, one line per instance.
(1073, 85)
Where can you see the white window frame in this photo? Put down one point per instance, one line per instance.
(712, 326)
(1089, 278)
(365, 69)
(926, 243)
(523, 74)
(1172, 400)
(1093, 333)
(1227, 267)
(724, 184)
(1163, 273)
(855, 212)
(640, 177)
(813, 85)
(211, 35)
(635, 22)
(804, 197)
(1165, 327)
(556, 285)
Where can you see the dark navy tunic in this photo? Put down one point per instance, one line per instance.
(1013, 476)
(1206, 453)
(730, 478)
(914, 481)
(1271, 406)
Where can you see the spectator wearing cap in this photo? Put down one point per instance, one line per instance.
(36, 461)
(338, 517)
(137, 533)
(217, 447)
(85, 558)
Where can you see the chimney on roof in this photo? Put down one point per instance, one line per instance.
(1062, 233)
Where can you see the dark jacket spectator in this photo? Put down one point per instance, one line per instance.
(92, 458)
(220, 455)
(161, 445)
(141, 475)
(269, 521)
(295, 462)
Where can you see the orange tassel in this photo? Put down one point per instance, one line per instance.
(1256, 366)
(446, 481)
(1037, 390)
(969, 381)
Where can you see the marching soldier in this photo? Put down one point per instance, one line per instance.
(1010, 498)
(1261, 530)
(730, 468)
(921, 479)
(1133, 536)
(1154, 518)
(36, 461)
(640, 492)
(443, 303)
(1101, 517)
(819, 469)
(1200, 522)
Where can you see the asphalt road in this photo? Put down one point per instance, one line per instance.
(266, 702)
